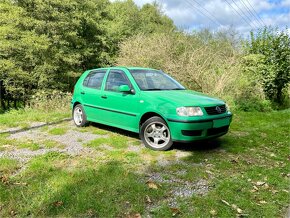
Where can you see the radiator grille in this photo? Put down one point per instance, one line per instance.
(215, 110)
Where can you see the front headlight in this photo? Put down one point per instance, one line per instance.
(189, 111)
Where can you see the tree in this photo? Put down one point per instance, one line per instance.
(45, 45)
(273, 46)
(22, 53)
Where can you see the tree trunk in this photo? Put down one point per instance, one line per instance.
(279, 96)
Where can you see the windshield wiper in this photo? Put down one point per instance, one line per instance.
(177, 89)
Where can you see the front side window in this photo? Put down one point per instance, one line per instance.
(150, 80)
(115, 80)
(94, 79)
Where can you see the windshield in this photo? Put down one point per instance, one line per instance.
(150, 80)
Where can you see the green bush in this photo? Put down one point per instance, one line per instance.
(268, 57)
(50, 100)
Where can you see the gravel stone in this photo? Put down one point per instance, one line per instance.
(73, 141)
(135, 148)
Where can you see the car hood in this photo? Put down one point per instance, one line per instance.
(183, 98)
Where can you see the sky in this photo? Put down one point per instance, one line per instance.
(242, 15)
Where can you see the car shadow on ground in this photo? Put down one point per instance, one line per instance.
(115, 130)
(205, 145)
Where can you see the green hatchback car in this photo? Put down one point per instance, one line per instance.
(148, 102)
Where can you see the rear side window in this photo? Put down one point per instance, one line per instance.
(94, 79)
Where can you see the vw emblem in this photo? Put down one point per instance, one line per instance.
(218, 109)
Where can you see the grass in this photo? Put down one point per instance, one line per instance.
(94, 130)
(23, 118)
(7, 166)
(58, 131)
(7, 143)
(245, 173)
(115, 140)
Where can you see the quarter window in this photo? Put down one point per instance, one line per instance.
(115, 80)
(94, 79)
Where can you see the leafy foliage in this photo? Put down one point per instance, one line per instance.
(47, 44)
(269, 58)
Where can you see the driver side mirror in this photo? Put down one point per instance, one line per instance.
(124, 88)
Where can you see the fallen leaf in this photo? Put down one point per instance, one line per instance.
(234, 206)
(234, 161)
(13, 213)
(255, 187)
(260, 183)
(134, 215)
(151, 184)
(137, 215)
(213, 212)
(263, 202)
(266, 186)
(148, 200)
(90, 213)
(225, 202)
(4, 179)
(20, 183)
(209, 172)
(174, 211)
(58, 203)
(239, 210)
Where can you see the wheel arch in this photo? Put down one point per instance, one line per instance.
(148, 115)
(76, 103)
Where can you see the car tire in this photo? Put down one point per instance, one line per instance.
(155, 134)
(79, 116)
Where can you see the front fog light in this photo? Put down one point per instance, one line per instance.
(189, 111)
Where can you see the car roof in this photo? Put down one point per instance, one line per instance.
(123, 68)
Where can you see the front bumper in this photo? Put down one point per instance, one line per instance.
(199, 129)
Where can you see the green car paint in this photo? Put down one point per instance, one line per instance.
(127, 109)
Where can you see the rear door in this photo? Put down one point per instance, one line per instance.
(91, 95)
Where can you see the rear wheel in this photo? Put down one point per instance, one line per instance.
(155, 134)
(79, 116)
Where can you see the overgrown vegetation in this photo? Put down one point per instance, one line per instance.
(213, 64)
(46, 45)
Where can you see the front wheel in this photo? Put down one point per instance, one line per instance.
(79, 116)
(155, 134)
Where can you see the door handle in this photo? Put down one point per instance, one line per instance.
(82, 93)
(104, 96)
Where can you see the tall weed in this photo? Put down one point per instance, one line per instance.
(50, 101)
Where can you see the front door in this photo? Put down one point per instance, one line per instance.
(122, 109)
